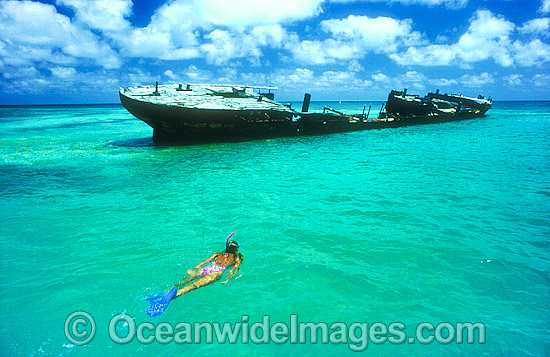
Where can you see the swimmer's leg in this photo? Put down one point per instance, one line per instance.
(205, 280)
(191, 278)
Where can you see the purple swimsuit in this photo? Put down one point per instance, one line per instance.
(212, 268)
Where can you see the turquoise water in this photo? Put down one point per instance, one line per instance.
(435, 223)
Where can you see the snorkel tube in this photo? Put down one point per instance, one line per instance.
(227, 241)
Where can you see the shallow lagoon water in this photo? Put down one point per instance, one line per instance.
(433, 223)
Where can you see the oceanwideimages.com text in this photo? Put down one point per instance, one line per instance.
(80, 329)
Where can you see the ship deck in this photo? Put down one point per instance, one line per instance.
(213, 97)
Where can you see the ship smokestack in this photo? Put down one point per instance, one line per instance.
(156, 92)
(305, 106)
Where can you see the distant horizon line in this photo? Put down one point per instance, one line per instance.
(282, 101)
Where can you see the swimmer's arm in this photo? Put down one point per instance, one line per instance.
(233, 270)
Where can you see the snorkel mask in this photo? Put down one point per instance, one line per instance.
(232, 247)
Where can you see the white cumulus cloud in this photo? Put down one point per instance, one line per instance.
(432, 55)
(476, 81)
(489, 37)
(104, 15)
(222, 46)
(354, 37)
(541, 80)
(170, 34)
(63, 72)
(513, 79)
(451, 4)
(538, 27)
(533, 53)
(241, 13)
(379, 34)
(34, 32)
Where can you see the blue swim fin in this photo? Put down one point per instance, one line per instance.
(157, 307)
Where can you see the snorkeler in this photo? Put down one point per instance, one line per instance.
(202, 275)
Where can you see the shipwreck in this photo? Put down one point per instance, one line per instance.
(195, 113)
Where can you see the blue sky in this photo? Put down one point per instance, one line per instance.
(82, 51)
